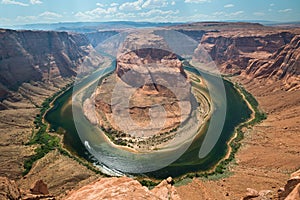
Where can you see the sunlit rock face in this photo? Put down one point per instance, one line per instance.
(42, 56)
(150, 95)
(124, 188)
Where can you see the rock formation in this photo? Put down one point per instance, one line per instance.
(292, 188)
(269, 54)
(284, 65)
(40, 56)
(147, 98)
(36, 64)
(123, 188)
(9, 189)
(33, 66)
(39, 188)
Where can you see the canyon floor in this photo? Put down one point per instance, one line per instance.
(270, 150)
(268, 156)
(269, 153)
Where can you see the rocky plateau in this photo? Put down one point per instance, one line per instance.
(265, 60)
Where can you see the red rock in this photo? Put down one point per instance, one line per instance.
(39, 188)
(9, 189)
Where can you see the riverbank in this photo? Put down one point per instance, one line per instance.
(87, 82)
(221, 169)
(164, 141)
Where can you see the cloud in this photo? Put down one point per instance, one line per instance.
(45, 16)
(259, 13)
(49, 15)
(100, 4)
(26, 18)
(158, 12)
(272, 4)
(114, 4)
(197, 1)
(173, 3)
(155, 4)
(121, 15)
(96, 13)
(14, 2)
(225, 14)
(236, 13)
(35, 2)
(285, 10)
(129, 6)
(228, 6)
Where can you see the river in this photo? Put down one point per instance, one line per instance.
(61, 119)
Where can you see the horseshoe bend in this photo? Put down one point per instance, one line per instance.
(134, 112)
(144, 103)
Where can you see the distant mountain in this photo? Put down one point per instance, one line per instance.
(84, 27)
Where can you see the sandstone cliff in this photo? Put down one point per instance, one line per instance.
(284, 65)
(268, 54)
(27, 57)
(33, 66)
(37, 55)
(96, 38)
(124, 188)
(263, 54)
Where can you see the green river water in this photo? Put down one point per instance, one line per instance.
(60, 118)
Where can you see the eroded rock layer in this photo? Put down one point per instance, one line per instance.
(147, 98)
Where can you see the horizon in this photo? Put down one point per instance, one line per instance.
(23, 12)
(86, 23)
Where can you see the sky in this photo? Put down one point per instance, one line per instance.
(15, 12)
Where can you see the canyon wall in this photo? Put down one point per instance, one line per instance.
(33, 66)
(268, 54)
(39, 56)
(36, 64)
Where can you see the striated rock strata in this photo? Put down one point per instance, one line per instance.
(147, 98)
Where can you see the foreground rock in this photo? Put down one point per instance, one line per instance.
(123, 188)
(9, 189)
(291, 190)
(39, 188)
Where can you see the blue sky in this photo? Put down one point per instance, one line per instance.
(13, 12)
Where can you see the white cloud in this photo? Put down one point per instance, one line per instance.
(100, 5)
(259, 13)
(121, 15)
(129, 6)
(285, 10)
(219, 13)
(35, 2)
(114, 4)
(196, 1)
(272, 4)
(157, 12)
(228, 6)
(225, 14)
(13, 2)
(26, 18)
(173, 3)
(236, 13)
(83, 16)
(43, 17)
(96, 13)
(155, 4)
(50, 15)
